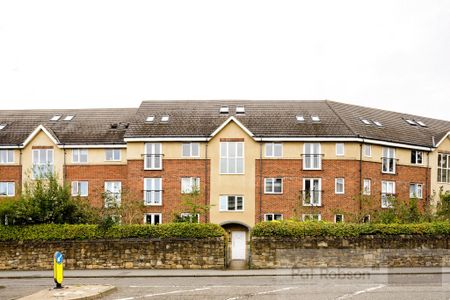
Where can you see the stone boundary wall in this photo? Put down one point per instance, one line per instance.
(364, 251)
(115, 254)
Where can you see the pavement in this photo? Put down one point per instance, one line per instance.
(72, 292)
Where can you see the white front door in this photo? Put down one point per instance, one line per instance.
(238, 245)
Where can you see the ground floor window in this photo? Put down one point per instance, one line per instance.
(80, 188)
(339, 218)
(153, 218)
(311, 217)
(387, 193)
(416, 190)
(273, 217)
(7, 189)
(113, 193)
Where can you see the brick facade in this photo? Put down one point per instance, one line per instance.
(12, 174)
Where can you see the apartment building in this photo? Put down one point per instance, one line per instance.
(250, 160)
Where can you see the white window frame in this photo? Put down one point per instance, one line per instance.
(335, 221)
(416, 152)
(8, 154)
(193, 182)
(443, 168)
(225, 208)
(190, 145)
(76, 153)
(76, 188)
(311, 159)
(8, 185)
(152, 217)
(117, 193)
(336, 180)
(338, 145)
(273, 180)
(388, 153)
(151, 158)
(228, 158)
(40, 165)
(387, 190)
(113, 152)
(367, 150)
(319, 203)
(186, 215)
(418, 190)
(367, 186)
(311, 216)
(153, 192)
(273, 217)
(271, 147)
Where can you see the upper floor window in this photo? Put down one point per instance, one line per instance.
(112, 154)
(231, 157)
(339, 186)
(387, 193)
(443, 168)
(153, 218)
(312, 193)
(340, 149)
(113, 193)
(42, 163)
(273, 185)
(273, 217)
(153, 156)
(274, 150)
(191, 150)
(190, 185)
(416, 190)
(80, 188)
(312, 159)
(367, 186)
(388, 160)
(6, 156)
(81, 156)
(416, 157)
(368, 150)
(7, 189)
(231, 203)
(153, 191)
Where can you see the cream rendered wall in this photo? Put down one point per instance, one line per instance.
(171, 150)
(41, 139)
(435, 185)
(233, 184)
(97, 157)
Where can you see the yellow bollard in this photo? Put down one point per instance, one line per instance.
(58, 269)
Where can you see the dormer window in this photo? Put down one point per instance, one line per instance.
(55, 118)
(315, 118)
(300, 118)
(150, 119)
(165, 118)
(224, 109)
(240, 110)
(69, 118)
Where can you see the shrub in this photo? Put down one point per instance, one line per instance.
(302, 229)
(85, 232)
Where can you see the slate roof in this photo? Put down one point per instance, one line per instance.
(89, 126)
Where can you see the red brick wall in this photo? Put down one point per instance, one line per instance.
(12, 173)
(173, 171)
(96, 175)
(290, 202)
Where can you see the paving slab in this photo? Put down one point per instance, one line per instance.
(72, 292)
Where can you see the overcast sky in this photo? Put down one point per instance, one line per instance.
(388, 54)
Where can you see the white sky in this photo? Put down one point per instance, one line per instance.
(389, 54)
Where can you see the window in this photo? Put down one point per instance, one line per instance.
(312, 159)
(387, 192)
(113, 193)
(224, 109)
(368, 150)
(416, 190)
(311, 217)
(55, 118)
(421, 123)
(367, 187)
(366, 219)
(300, 118)
(273, 217)
(411, 122)
(378, 123)
(6, 156)
(80, 188)
(312, 194)
(153, 156)
(315, 118)
(42, 162)
(443, 168)
(365, 121)
(190, 218)
(338, 218)
(69, 118)
(273, 185)
(154, 218)
(7, 189)
(388, 160)
(339, 187)
(231, 157)
(191, 150)
(112, 154)
(416, 157)
(340, 149)
(190, 184)
(240, 110)
(150, 119)
(81, 156)
(274, 149)
(153, 191)
(231, 203)
(165, 119)
(2, 126)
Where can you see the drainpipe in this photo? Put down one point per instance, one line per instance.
(64, 166)
(206, 181)
(427, 199)
(260, 181)
(21, 169)
(360, 177)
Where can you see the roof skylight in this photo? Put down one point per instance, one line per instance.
(411, 122)
(315, 118)
(300, 118)
(165, 118)
(69, 118)
(421, 123)
(150, 119)
(224, 109)
(240, 109)
(378, 123)
(55, 118)
(2, 126)
(365, 121)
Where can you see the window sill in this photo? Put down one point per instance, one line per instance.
(312, 205)
(231, 211)
(148, 169)
(273, 193)
(147, 204)
(312, 169)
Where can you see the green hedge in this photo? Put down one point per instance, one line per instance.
(302, 229)
(84, 232)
